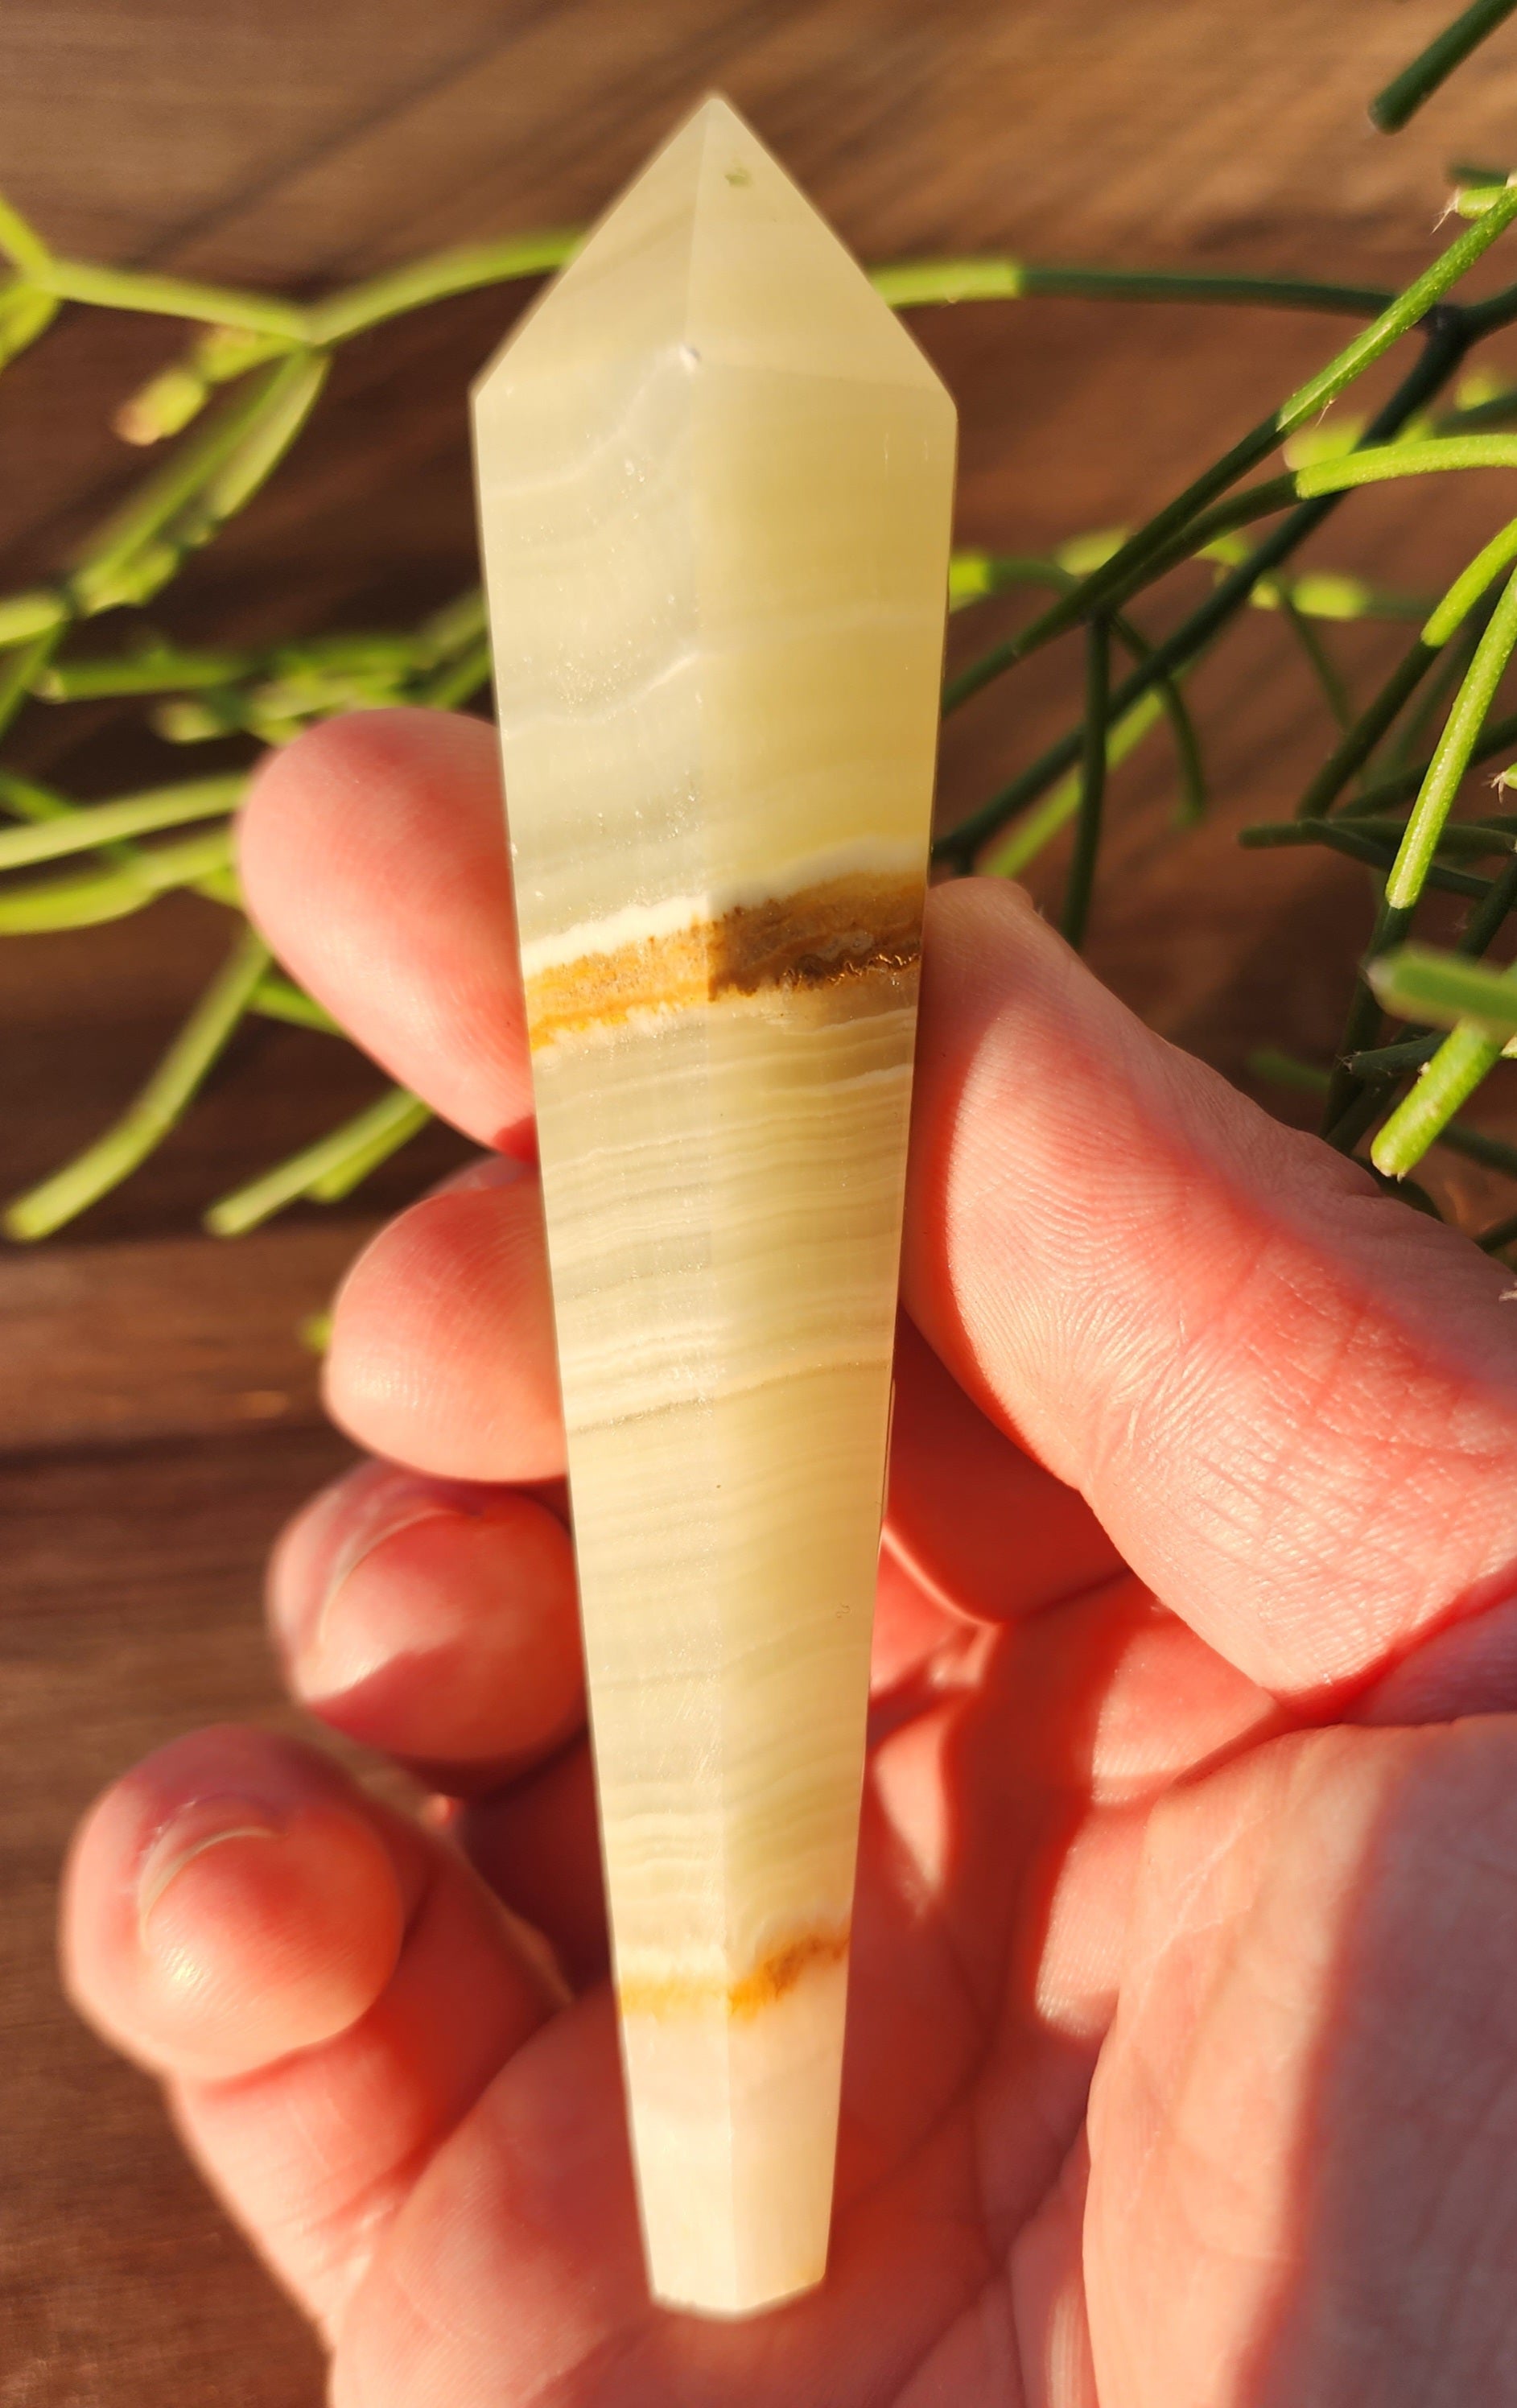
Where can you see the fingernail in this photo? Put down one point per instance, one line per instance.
(328, 1656)
(203, 1825)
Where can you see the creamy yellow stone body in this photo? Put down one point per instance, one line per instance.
(715, 480)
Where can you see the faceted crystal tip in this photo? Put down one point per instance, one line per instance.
(715, 479)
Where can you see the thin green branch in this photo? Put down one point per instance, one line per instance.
(25, 315)
(923, 282)
(170, 297)
(1119, 577)
(1496, 1240)
(394, 1124)
(1496, 737)
(1451, 755)
(1404, 94)
(1486, 921)
(1390, 1061)
(1038, 829)
(156, 670)
(1448, 1080)
(20, 669)
(388, 1123)
(1317, 657)
(1351, 840)
(155, 1109)
(458, 682)
(1360, 740)
(112, 891)
(277, 998)
(151, 510)
(1267, 1062)
(21, 244)
(1077, 901)
(1377, 467)
(445, 272)
(959, 844)
(973, 575)
(1472, 837)
(1470, 584)
(1114, 577)
(95, 824)
(1419, 982)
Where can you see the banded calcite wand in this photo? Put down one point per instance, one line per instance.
(715, 479)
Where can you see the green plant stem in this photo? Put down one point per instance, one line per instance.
(1037, 828)
(1448, 989)
(397, 1115)
(1119, 577)
(436, 279)
(96, 824)
(918, 282)
(1408, 308)
(161, 670)
(1351, 1112)
(182, 480)
(1404, 94)
(1357, 844)
(1455, 1070)
(155, 1109)
(1318, 659)
(958, 845)
(28, 800)
(1413, 864)
(114, 890)
(291, 395)
(406, 1116)
(1451, 755)
(1496, 737)
(458, 682)
(1472, 837)
(1260, 501)
(1458, 1135)
(1000, 572)
(170, 296)
(1384, 463)
(277, 998)
(1486, 923)
(22, 246)
(1389, 1061)
(1470, 585)
(1469, 837)
(18, 669)
(1434, 699)
(1496, 1240)
(1360, 740)
(1077, 901)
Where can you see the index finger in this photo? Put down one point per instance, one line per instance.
(421, 789)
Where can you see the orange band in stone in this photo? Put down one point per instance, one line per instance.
(676, 1994)
(818, 936)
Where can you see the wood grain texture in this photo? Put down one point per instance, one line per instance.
(291, 144)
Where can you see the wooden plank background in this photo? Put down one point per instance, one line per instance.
(158, 1416)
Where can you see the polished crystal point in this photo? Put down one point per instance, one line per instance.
(715, 478)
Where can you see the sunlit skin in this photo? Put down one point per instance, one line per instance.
(1182, 2059)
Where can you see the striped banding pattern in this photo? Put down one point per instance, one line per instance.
(820, 936)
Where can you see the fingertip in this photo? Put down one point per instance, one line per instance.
(372, 852)
(227, 1904)
(443, 1354)
(386, 760)
(434, 1621)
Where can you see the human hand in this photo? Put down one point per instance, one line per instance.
(1182, 2069)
